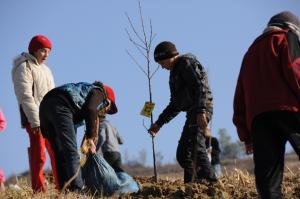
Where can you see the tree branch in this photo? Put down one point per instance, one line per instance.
(135, 61)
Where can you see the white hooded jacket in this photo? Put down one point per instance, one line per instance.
(31, 82)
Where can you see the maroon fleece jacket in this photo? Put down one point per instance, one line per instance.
(269, 79)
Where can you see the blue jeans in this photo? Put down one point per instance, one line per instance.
(57, 126)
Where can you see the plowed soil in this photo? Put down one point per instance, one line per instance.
(236, 185)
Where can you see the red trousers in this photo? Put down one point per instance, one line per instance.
(37, 159)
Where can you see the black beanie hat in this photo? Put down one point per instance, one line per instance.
(164, 50)
(283, 17)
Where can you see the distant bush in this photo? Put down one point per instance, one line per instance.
(230, 149)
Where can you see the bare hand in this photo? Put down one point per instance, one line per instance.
(249, 148)
(36, 130)
(202, 121)
(91, 145)
(207, 132)
(153, 130)
(88, 146)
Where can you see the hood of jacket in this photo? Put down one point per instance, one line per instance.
(22, 58)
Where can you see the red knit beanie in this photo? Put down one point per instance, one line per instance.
(37, 42)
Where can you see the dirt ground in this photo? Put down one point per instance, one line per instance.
(234, 184)
(237, 185)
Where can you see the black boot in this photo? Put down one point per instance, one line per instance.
(208, 175)
(188, 175)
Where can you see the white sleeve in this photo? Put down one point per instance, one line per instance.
(23, 83)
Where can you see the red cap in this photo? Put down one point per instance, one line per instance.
(111, 96)
(37, 42)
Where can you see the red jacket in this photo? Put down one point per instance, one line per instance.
(269, 79)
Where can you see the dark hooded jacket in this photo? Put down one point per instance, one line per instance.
(189, 89)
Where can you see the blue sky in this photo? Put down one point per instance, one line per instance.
(90, 42)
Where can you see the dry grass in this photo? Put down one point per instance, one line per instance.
(233, 184)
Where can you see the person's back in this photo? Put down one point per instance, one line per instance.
(108, 144)
(266, 101)
(265, 63)
(65, 108)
